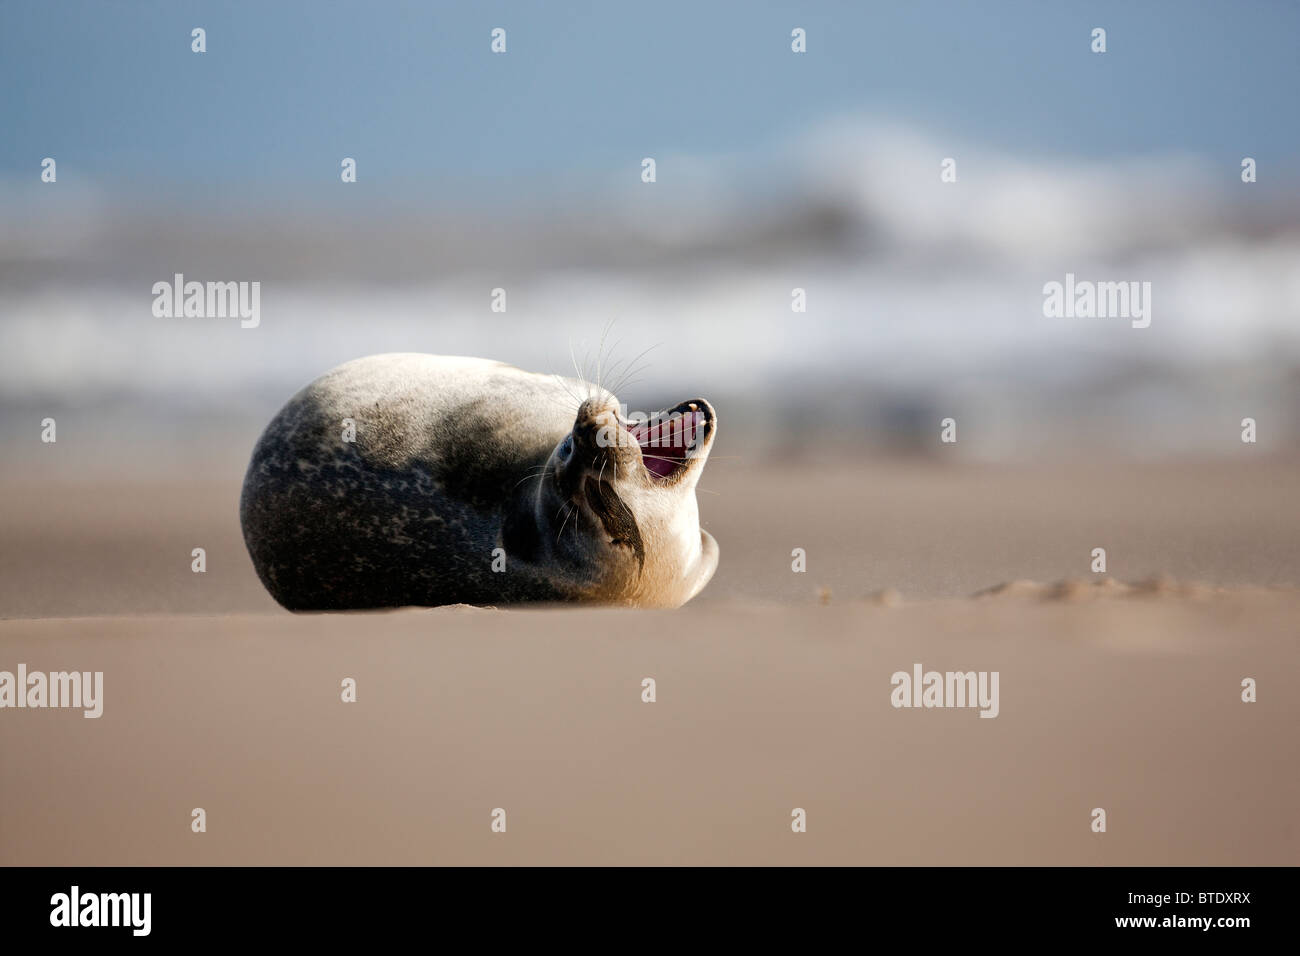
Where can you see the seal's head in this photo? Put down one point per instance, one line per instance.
(618, 498)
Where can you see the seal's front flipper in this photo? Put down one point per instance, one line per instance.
(707, 564)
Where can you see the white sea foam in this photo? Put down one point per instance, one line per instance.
(912, 285)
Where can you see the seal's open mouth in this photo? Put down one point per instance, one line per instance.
(670, 440)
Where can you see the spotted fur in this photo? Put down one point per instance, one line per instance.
(453, 458)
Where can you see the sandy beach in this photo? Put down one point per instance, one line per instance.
(773, 689)
(119, 541)
(1133, 707)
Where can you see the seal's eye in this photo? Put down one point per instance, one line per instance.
(566, 448)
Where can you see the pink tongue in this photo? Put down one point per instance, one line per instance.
(666, 442)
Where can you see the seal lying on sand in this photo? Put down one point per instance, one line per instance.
(425, 479)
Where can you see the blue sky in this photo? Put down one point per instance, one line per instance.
(111, 89)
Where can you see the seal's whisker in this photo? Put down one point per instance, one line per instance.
(541, 472)
(629, 384)
(564, 383)
(628, 380)
(711, 457)
(592, 389)
(582, 378)
(568, 513)
(612, 349)
(620, 372)
(574, 359)
(639, 362)
(600, 350)
(632, 368)
(642, 354)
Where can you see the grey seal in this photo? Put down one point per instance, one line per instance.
(411, 479)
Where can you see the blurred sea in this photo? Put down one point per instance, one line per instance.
(924, 299)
